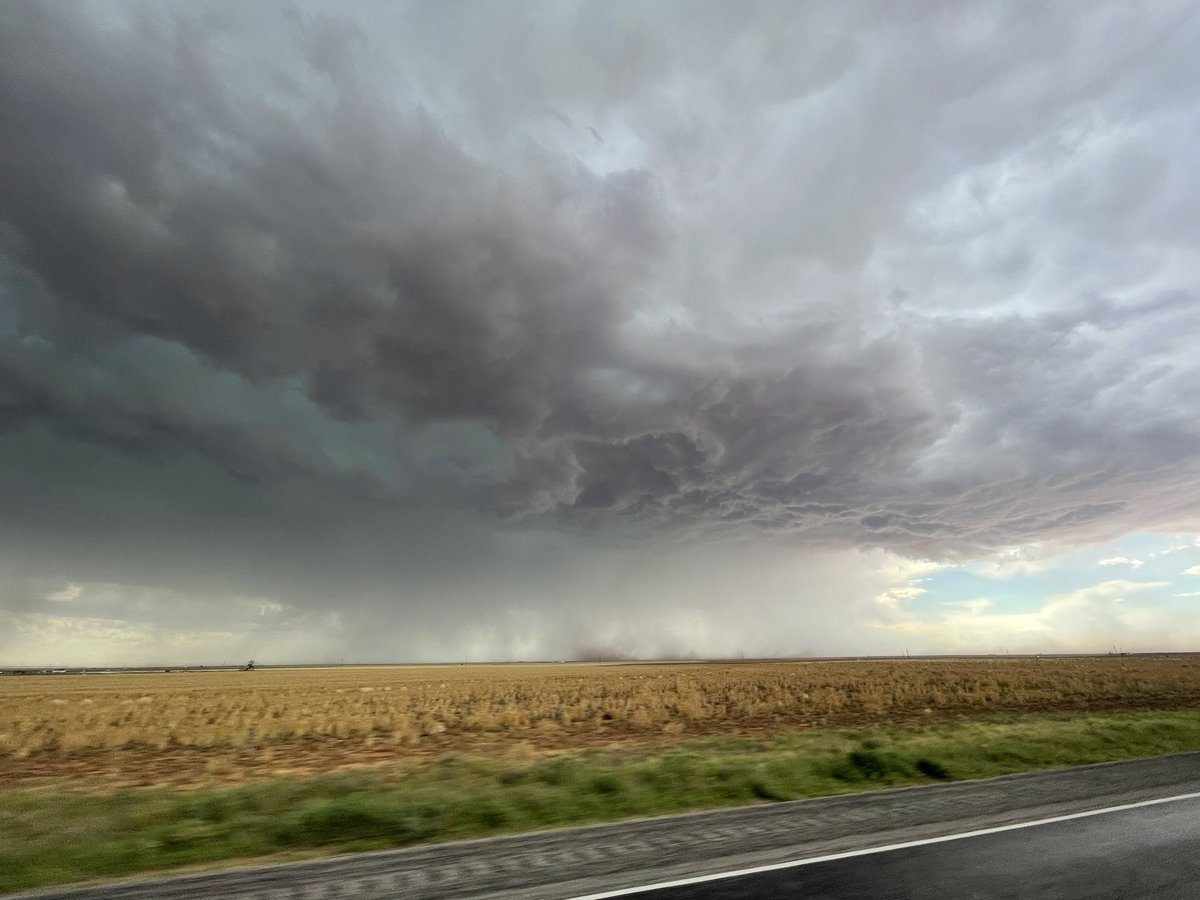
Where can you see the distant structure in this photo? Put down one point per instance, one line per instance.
(248, 667)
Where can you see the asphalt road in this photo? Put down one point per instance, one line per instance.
(1148, 849)
(1144, 852)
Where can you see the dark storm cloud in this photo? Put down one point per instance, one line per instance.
(922, 282)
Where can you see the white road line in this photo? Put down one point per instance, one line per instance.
(887, 848)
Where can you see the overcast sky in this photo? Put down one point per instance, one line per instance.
(382, 331)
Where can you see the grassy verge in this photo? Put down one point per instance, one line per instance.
(52, 834)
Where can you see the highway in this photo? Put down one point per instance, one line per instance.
(1147, 850)
(1117, 830)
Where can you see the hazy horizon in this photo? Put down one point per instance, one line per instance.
(618, 660)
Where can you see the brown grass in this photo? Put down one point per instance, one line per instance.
(193, 727)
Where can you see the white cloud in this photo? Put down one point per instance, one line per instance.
(1122, 561)
(1012, 562)
(974, 607)
(1172, 544)
(65, 594)
(1169, 550)
(1089, 619)
(1192, 570)
(893, 598)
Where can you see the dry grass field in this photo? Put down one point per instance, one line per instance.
(193, 727)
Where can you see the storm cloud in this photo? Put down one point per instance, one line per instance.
(309, 301)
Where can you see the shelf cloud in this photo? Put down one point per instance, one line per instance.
(345, 308)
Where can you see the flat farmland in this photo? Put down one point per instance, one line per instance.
(194, 727)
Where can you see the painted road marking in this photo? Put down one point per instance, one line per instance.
(887, 848)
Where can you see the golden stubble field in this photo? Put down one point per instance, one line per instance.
(194, 727)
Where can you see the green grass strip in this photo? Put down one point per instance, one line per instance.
(52, 834)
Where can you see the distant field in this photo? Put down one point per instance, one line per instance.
(194, 727)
